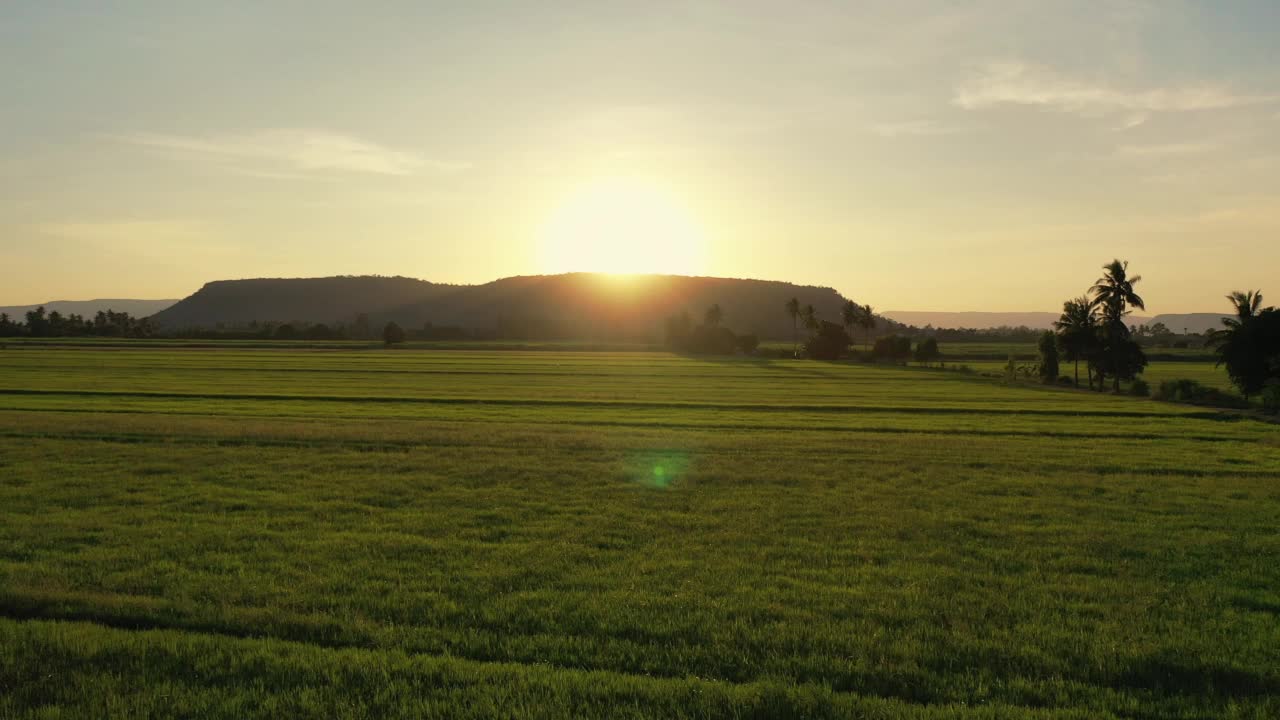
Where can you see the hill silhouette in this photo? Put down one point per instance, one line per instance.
(1192, 322)
(574, 305)
(88, 308)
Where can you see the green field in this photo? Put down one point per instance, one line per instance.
(242, 533)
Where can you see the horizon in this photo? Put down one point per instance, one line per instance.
(626, 277)
(926, 159)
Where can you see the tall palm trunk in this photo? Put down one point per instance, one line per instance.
(1077, 373)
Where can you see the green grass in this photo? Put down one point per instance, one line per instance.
(268, 533)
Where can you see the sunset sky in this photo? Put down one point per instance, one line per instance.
(914, 154)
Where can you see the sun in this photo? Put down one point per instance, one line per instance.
(621, 225)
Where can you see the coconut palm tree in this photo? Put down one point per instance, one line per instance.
(1247, 304)
(1077, 332)
(793, 309)
(810, 315)
(1237, 345)
(850, 314)
(868, 323)
(1113, 292)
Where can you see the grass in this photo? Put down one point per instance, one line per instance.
(268, 533)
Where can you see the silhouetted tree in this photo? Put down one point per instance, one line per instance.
(714, 316)
(392, 334)
(828, 342)
(678, 329)
(868, 323)
(927, 351)
(895, 348)
(360, 330)
(1249, 343)
(1078, 333)
(850, 315)
(747, 344)
(810, 315)
(793, 309)
(286, 332)
(1113, 293)
(1048, 357)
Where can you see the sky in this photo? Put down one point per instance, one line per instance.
(912, 154)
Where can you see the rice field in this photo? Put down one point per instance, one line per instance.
(238, 533)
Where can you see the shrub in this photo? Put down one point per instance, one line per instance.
(1140, 388)
(392, 334)
(747, 344)
(1048, 347)
(709, 340)
(1271, 397)
(927, 351)
(830, 342)
(892, 347)
(1066, 381)
(1193, 393)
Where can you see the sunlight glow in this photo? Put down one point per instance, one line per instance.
(622, 225)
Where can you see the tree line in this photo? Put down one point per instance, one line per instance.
(106, 323)
(1091, 330)
(1248, 345)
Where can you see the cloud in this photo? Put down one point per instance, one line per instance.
(292, 153)
(1016, 83)
(1167, 150)
(914, 128)
(142, 237)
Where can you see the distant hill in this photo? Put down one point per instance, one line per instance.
(89, 308)
(1192, 322)
(575, 305)
(976, 320)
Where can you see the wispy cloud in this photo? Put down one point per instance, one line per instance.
(1016, 83)
(142, 237)
(292, 153)
(1167, 149)
(915, 128)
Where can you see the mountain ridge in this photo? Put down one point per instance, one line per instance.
(571, 305)
(1177, 322)
(89, 308)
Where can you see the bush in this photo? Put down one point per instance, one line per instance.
(747, 344)
(1193, 393)
(1271, 397)
(1140, 388)
(829, 343)
(709, 340)
(392, 334)
(1066, 381)
(927, 351)
(892, 347)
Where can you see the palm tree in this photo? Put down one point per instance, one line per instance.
(714, 316)
(1236, 346)
(1247, 304)
(1113, 292)
(1077, 329)
(868, 323)
(793, 309)
(850, 314)
(810, 315)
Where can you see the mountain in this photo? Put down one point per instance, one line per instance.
(977, 320)
(89, 308)
(1191, 322)
(306, 300)
(574, 305)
